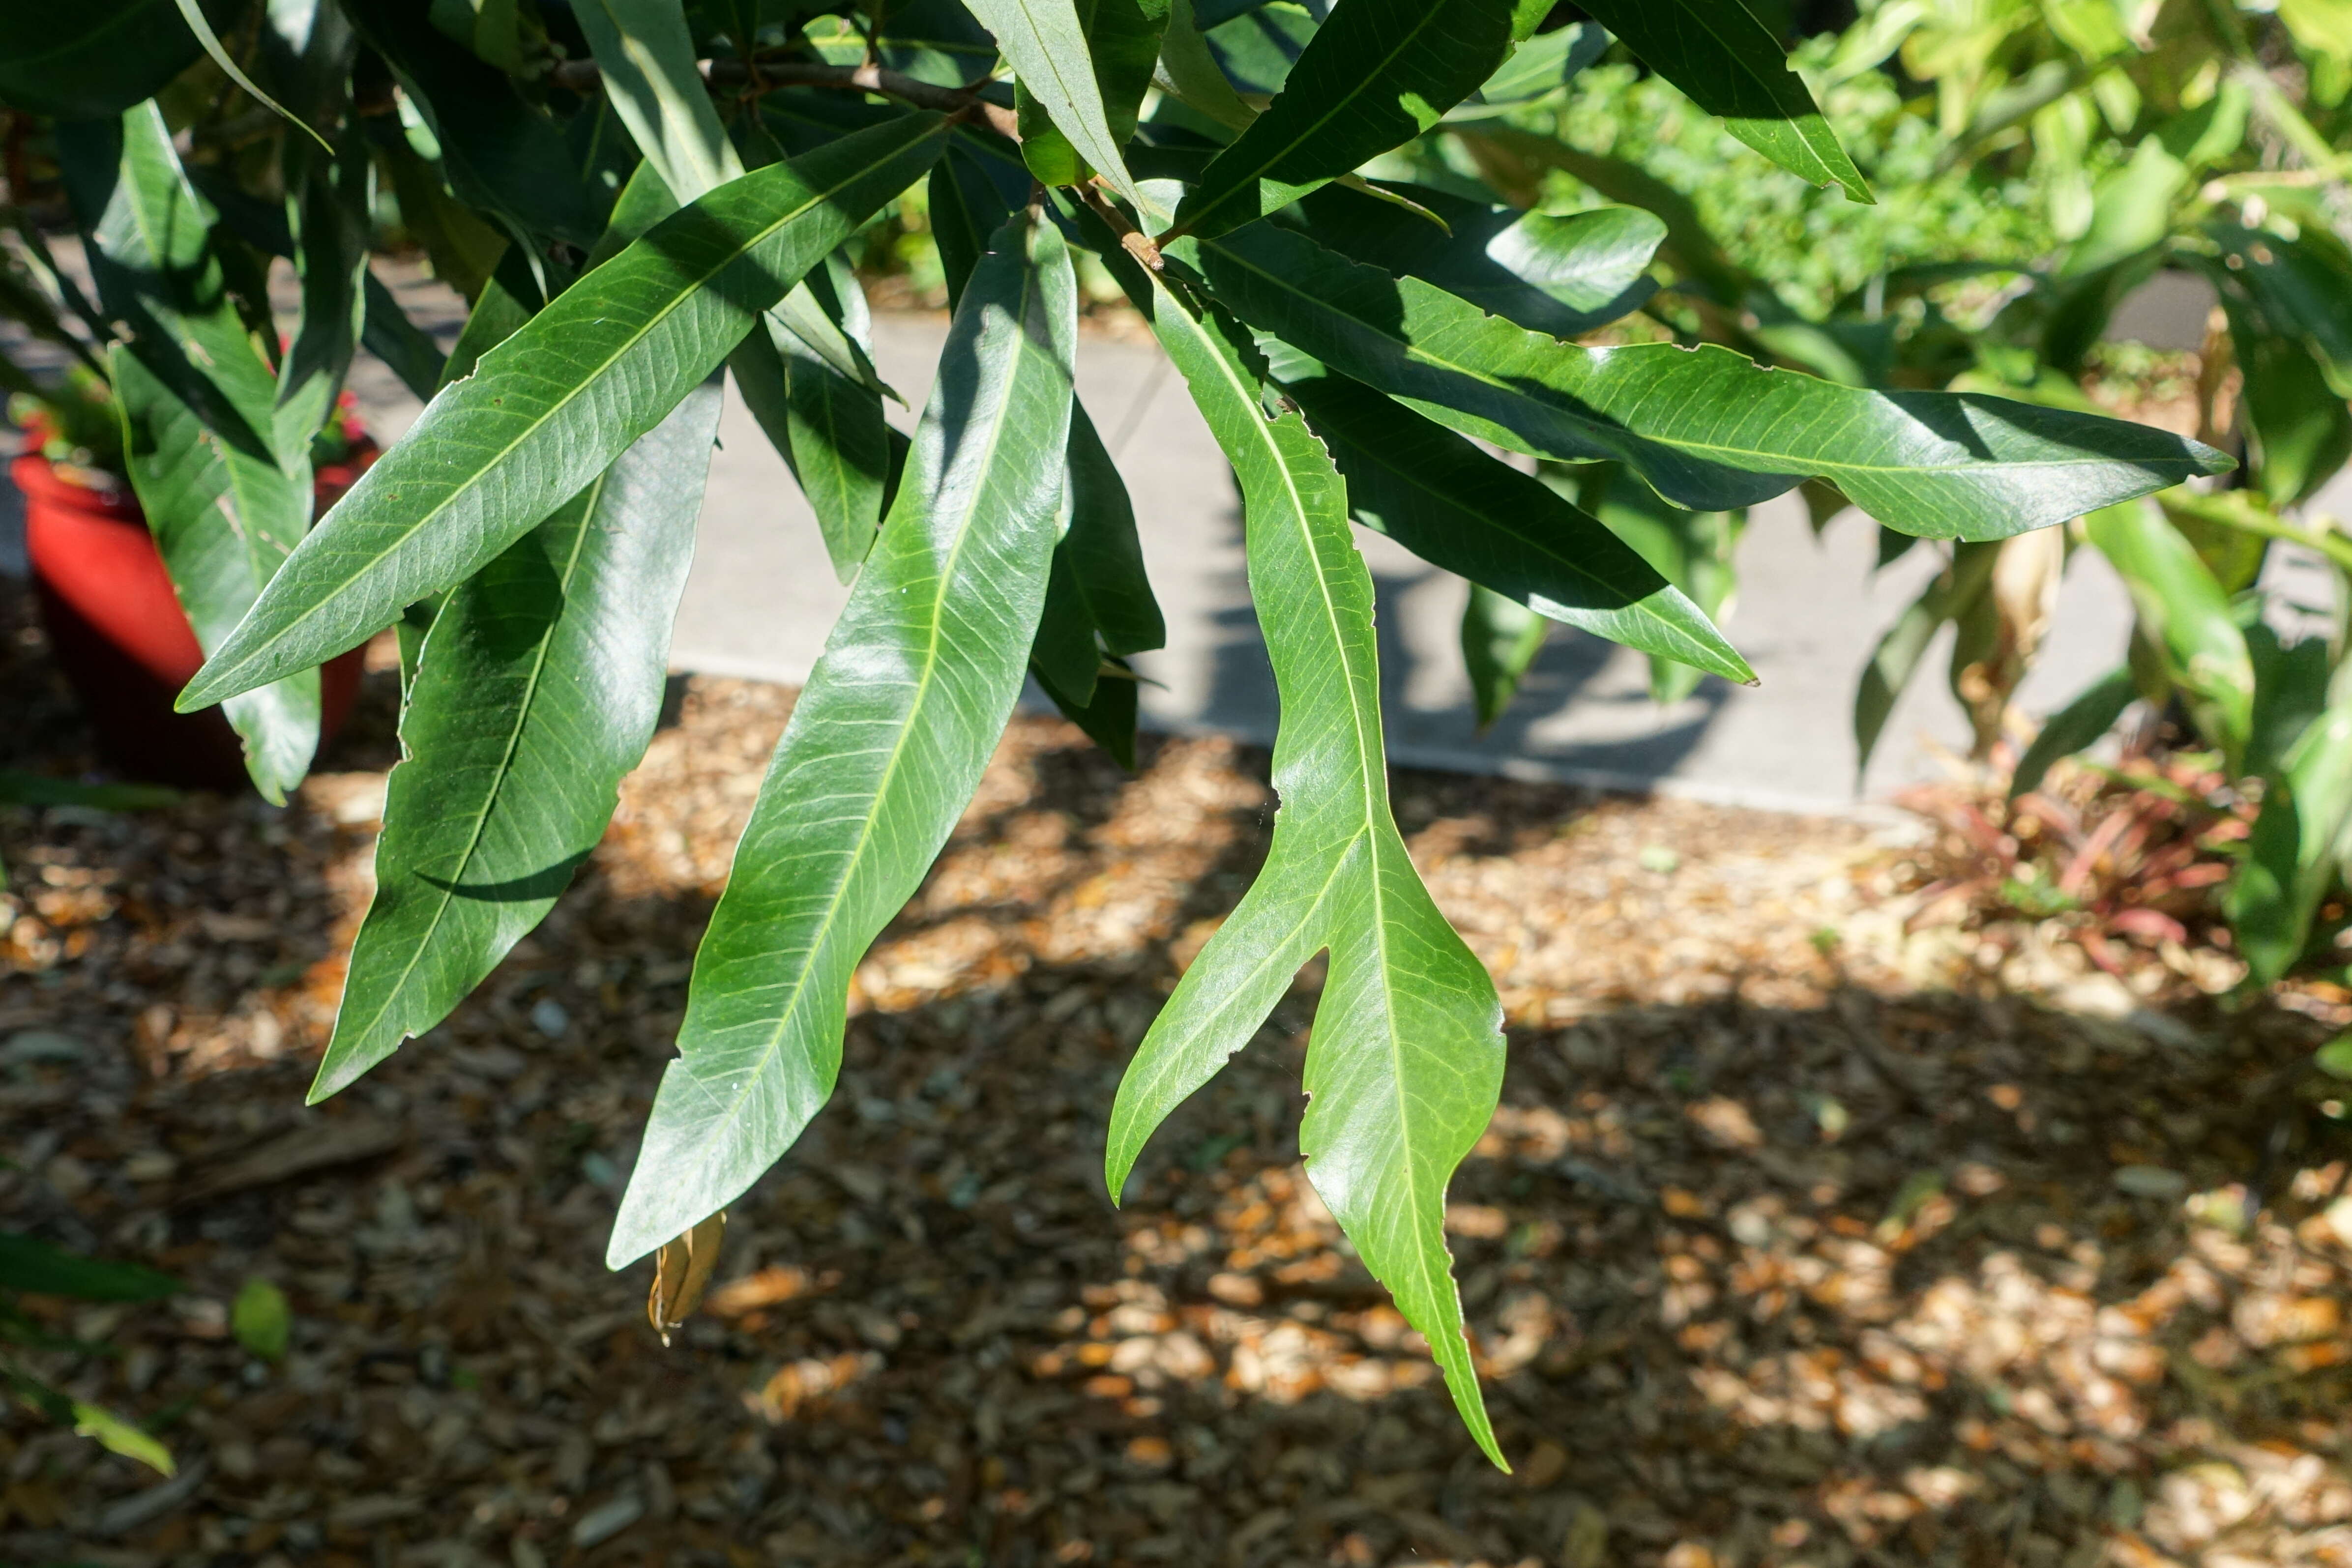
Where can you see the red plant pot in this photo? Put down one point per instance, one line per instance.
(116, 629)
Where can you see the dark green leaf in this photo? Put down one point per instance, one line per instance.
(1122, 37)
(1405, 1061)
(1109, 716)
(1896, 658)
(1365, 84)
(404, 347)
(27, 1263)
(1105, 556)
(1455, 507)
(536, 690)
(1045, 41)
(2080, 724)
(1693, 550)
(550, 408)
(1500, 638)
(1710, 429)
(1731, 66)
(2297, 849)
(21, 789)
(331, 239)
(93, 60)
(891, 734)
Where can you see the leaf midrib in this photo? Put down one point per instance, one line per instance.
(531, 688)
(1428, 19)
(1780, 463)
(578, 389)
(801, 985)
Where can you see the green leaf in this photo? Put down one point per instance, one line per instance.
(1190, 73)
(1456, 508)
(225, 522)
(2187, 615)
(261, 1321)
(2080, 724)
(2301, 430)
(502, 153)
(1709, 428)
(1105, 556)
(1122, 38)
(1541, 64)
(1693, 552)
(537, 690)
(193, 15)
(21, 789)
(94, 60)
(890, 734)
(405, 347)
(35, 1266)
(1109, 715)
(1045, 41)
(647, 59)
(552, 407)
(2303, 286)
(2131, 212)
(1560, 275)
(220, 465)
(2294, 857)
(1897, 657)
(1365, 84)
(1730, 64)
(1405, 1061)
(1500, 638)
(330, 221)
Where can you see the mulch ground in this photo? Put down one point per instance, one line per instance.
(1796, 1240)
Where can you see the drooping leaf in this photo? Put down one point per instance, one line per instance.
(2295, 852)
(221, 468)
(1710, 429)
(1693, 550)
(2301, 430)
(1109, 715)
(631, 339)
(1122, 38)
(1728, 61)
(2186, 615)
(1560, 275)
(1539, 64)
(1406, 1059)
(2303, 286)
(331, 216)
(1190, 73)
(192, 15)
(1902, 645)
(2078, 724)
(403, 346)
(1375, 75)
(1104, 554)
(30, 1264)
(891, 732)
(536, 691)
(1500, 638)
(1456, 508)
(1045, 41)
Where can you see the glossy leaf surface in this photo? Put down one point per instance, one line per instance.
(552, 406)
(1406, 1057)
(536, 690)
(1373, 77)
(885, 748)
(1709, 428)
(1045, 41)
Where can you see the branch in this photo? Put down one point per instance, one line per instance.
(582, 77)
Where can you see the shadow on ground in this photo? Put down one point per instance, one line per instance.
(1769, 1259)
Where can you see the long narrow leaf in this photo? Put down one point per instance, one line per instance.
(1454, 507)
(1729, 63)
(1374, 76)
(1045, 42)
(1406, 1059)
(1500, 638)
(1709, 428)
(536, 691)
(885, 748)
(552, 407)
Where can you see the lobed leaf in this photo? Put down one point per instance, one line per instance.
(1709, 428)
(885, 748)
(1406, 1059)
(1373, 78)
(552, 406)
(537, 689)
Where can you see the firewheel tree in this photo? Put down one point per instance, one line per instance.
(644, 200)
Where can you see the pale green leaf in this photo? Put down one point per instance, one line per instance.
(1045, 41)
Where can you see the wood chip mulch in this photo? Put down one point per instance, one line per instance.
(1782, 1250)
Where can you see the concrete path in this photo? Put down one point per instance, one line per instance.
(761, 598)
